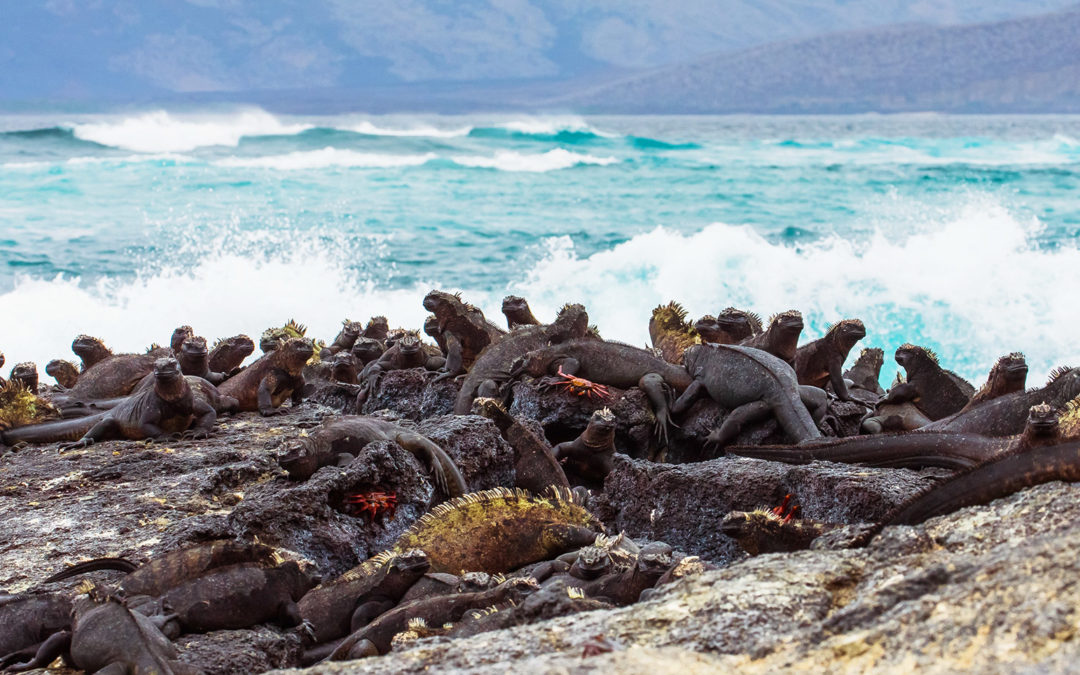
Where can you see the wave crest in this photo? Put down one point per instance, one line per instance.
(161, 131)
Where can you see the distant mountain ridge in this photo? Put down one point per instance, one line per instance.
(1020, 65)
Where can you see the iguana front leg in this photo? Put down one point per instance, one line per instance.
(901, 392)
(687, 398)
(101, 431)
(205, 417)
(734, 422)
(836, 378)
(657, 392)
(58, 644)
(266, 396)
(455, 359)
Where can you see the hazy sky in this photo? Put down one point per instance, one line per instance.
(85, 49)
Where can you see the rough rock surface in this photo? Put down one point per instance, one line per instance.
(986, 589)
(683, 504)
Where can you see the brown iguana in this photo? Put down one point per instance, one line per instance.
(493, 365)
(344, 368)
(608, 363)
(367, 350)
(821, 362)
(767, 531)
(431, 328)
(339, 441)
(277, 375)
(670, 332)
(169, 407)
(64, 372)
(1007, 376)
(752, 384)
(781, 338)
(2, 380)
(194, 360)
(535, 466)
(464, 328)
(346, 338)
(377, 328)
(177, 340)
(407, 352)
(935, 391)
(1006, 415)
(26, 374)
(590, 457)
(110, 377)
(227, 355)
(166, 571)
(91, 350)
(346, 604)
(274, 336)
(517, 312)
(499, 530)
(375, 638)
(866, 371)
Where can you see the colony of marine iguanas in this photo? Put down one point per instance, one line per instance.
(480, 560)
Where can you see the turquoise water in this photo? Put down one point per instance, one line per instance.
(959, 233)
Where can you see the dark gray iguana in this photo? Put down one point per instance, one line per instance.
(781, 338)
(821, 362)
(752, 384)
(169, 407)
(492, 367)
(730, 327)
(1007, 376)
(464, 328)
(517, 313)
(340, 440)
(935, 391)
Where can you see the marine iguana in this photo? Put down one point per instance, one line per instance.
(200, 388)
(609, 363)
(670, 332)
(346, 604)
(464, 328)
(177, 340)
(26, 374)
(346, 338)
(535, 466)
(407, 352)
(367, 350)
(864, 376)
(113, 376)
(340, 440)
(1006, 415)
(377, 328)
(91, 350)
(344, 368)
(911, 450)
(730, 327)
(27, 620)
(935, 391)
(822, 361)
(374, 639)
(164, 572)
(752, 384)
(272, 337)
(493, 365)
(1007, 376)
(194, 360)
(983, 483)
(3, 382)
(781, 338)
(227, 355)
(431, 328)
(169, 407)
(623, 586)
(517, 312)
(766, 531)
(240, 596)
(107, 637)
(499, 530)
(590, 456)
(64, 372)
(277, 375)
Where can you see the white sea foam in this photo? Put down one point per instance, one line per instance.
(552, 160)
(325, 158)
(161, 131)
(969, 283)
(548, 126)
(419, 130)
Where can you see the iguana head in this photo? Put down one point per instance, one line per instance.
(367, 350)
(534, 363)
(343, 368)
(179, 335)
(237, 348)
(846, 333)
(1013, 369)
(193, 349)
(1042, 420)
(409, 343)
(350, 330)
(789, 322)
(602, 423)
(26, 373)
(294, 353)
(413, 560)
(738, 323)
(913, 356)
(516, 308)
(431, 326)
(592, 562)
(670, 317)
(571, 323)
(377, 328)
(655, 559)
(89, 348)
(169, 382)
(1, 359)
(298, 458)
(64, 372)
(872, 358)
(273, 337)
(443, 304)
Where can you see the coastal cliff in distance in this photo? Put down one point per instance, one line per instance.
(1020, 65)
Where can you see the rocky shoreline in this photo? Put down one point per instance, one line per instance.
(986, 588)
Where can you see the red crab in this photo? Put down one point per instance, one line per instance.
(578, 385)
(783, 511)
(374, 502)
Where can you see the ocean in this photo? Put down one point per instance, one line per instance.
(959, 233)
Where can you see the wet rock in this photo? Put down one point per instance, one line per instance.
(337, 396)
(238, 652)
(684, 504)
(410, 394)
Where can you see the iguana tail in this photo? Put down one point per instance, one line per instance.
(119, 564)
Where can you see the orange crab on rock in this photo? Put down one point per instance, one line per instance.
(577, 385)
